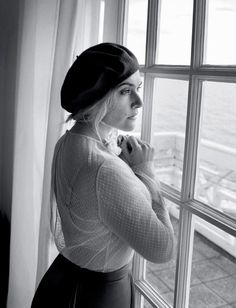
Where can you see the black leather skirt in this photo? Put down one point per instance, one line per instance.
(66, 285)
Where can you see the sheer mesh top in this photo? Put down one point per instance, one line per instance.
(103, 210)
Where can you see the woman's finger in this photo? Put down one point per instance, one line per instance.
(125, 147)
(133, 142)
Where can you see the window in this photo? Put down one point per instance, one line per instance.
(187, 53)
(136, 27)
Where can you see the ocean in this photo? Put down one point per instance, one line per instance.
(218, 117)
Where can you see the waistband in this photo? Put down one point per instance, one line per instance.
(89, 274)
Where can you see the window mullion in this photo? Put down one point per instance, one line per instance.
(168, 70)
(191, 139)
(115, 17)
(152, 30)
(186, 226)
(138, 274)
(194, 102)
(198, 34)
(213, 216)
(184, 259)
(151, 43)
(123, 6)
(138, 269)
(146, 131)
(186, 229)
(151, 294)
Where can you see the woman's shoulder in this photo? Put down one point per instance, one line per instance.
(89, 151)
(84, 152)
(77, 145)
(115, 167)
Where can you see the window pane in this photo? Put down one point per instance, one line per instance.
(216, 172)
(220, 32)
(174, 35)
(136, 30)
(162, 276)
(169, 119)
(213, 278)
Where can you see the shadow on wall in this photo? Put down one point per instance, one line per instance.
(9, 53)
(4, 258)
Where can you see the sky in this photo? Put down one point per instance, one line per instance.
(174, 48)
(175, 31)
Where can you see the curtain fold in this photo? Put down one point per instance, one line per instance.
(23, 247)
(63, 57)
(78, 28)
(45, 49)
(51, 34)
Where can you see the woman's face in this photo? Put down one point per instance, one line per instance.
(123, 113)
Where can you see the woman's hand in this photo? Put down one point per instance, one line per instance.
(135, 151)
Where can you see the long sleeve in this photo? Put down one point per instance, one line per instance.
(130, 205)
(147, 175)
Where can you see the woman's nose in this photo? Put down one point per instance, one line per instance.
(137, 101)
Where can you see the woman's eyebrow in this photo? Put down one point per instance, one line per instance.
(129, 84)
(126, 84)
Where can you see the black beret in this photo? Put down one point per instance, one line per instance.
(96, 71)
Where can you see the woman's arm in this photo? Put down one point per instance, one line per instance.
(134, 212)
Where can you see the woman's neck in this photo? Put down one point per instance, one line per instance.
(104, 131)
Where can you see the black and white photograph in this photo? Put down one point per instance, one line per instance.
(118, 153)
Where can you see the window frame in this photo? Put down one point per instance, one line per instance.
(195, 73)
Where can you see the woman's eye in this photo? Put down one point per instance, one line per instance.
(125, 91)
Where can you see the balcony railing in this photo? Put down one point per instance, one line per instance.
(215, 180)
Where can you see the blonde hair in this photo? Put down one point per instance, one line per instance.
(94, 114)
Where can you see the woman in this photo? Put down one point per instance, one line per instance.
(108, 202)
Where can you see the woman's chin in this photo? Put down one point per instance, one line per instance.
(128, 128)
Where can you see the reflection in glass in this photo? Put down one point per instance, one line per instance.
(220, 32)
(174, 35)
(169, 120)
(162, 276)
(216, 171)
(136, 28)
(213, 277)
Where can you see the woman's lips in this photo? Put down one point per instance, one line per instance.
(133, 117)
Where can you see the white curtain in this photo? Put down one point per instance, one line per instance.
(51, 33)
